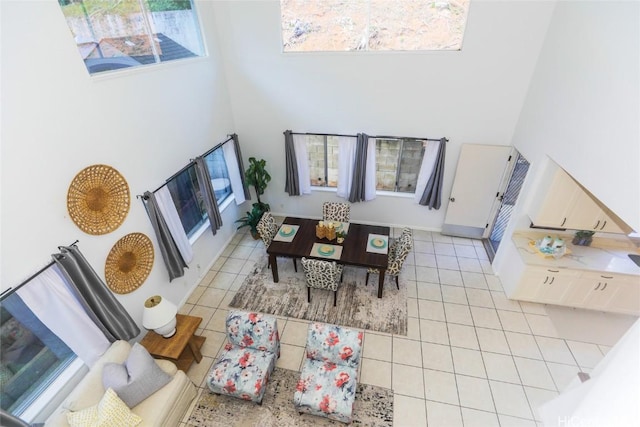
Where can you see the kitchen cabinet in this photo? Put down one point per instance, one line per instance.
(545, 285)
(617, 293)
(554, 208)
(565, 204)
(607, 292)
(586, 214)
(601, 278)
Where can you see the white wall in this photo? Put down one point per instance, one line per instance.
(472, 96)
(57, 120)
(583, 104)
(581, 111)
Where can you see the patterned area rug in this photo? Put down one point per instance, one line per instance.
(373, 407)
(358, 305)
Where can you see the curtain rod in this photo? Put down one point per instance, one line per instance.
(370, 136)
(11, 290)
(191, 162)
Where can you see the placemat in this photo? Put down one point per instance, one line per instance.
(372, 246)
(336, 254)
(283, 236)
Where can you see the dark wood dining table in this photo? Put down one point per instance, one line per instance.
(354, 247)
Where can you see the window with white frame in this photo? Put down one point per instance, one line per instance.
(186, 195)
(398, 162)
(32, 357)
(372, 25)
(112, 35)
(323, 160)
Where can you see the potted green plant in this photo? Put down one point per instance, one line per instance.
(251, 220)
(583, 237)
(258, 177)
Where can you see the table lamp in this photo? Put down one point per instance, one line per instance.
(160, 316)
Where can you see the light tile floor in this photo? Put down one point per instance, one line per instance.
(471, 356)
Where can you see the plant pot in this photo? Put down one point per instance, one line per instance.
(582, 241)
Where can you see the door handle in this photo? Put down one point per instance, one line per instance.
(604, 287)
(453, 199)
(603, 224)
(597, 286)
(552, 279)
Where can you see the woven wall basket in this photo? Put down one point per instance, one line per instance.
(129, 263)
(98, 199)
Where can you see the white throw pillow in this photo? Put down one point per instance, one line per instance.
(111, 411)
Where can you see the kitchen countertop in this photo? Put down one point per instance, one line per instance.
(607, 257)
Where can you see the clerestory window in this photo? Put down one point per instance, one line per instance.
(112, 35)
(372, 25)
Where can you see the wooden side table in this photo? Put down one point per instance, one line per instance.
(182, 348)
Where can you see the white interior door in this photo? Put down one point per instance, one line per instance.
(480, 180)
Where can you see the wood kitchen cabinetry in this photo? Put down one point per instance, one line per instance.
(545, 285)
(565, 204)
(617, 293)
(607, 292)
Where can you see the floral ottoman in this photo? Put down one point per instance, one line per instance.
(248, 359)
(327, 385)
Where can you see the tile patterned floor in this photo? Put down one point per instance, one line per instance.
(471, 357)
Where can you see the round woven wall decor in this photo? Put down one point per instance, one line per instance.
(98, 199)
(129, 263)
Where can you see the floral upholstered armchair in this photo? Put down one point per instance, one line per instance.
(249, 357)
(328, 382)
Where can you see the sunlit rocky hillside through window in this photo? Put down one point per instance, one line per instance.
(374, 25)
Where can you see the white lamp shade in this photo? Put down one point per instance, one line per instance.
(160, 315)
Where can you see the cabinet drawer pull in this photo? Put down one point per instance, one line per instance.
(604, 287)
(597, 224)
(546, 279)
(596, 288)
(553, 271)
(603, 224)
(552, 279)
(563, 221)
(607, 277)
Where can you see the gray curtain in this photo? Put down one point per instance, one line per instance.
(236, 143)
(170, 253)
(94, 296)
(208, 195)
(432, 195)
(10, 420)
(292, 181)
(357, 192)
